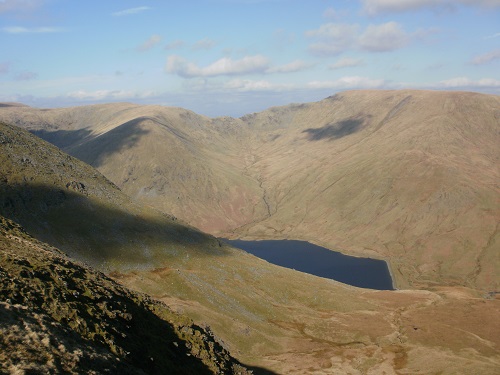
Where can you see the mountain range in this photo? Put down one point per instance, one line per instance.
(410, 177)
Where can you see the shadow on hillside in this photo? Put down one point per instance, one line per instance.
(103, 232)
(334, 131)
(94, 149)
(107, 315)
(62, 138)
(97, 149)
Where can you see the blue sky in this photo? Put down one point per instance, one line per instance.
(233, 57)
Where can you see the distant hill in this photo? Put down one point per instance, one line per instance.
(408, 176)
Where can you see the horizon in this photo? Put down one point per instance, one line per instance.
(235, 57)
(21, 104)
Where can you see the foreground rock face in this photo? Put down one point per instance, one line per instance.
(60, 317)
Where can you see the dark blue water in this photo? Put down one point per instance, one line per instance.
(316, 260)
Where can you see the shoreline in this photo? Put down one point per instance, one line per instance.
(394, 284)
(377, 284)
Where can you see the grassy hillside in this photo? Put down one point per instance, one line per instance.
(169, 158)
(407, 176)
(65, 202)
(265, 315)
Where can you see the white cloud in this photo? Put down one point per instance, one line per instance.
(225, 66)
(150, 43)
(100, 95)
(33, 30)
(244, 85)
(294, 66)
(385, 37)
(335, 31)
(346, 62)
(465, 82)
(349, 82)
(486, 58)
(374, 7)
(332, 38)
(127, 12)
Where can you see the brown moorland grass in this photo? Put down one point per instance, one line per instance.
(281, 319)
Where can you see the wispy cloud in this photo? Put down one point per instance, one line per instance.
(150, 43)
(175, 44)
(103, 95)
(346, 62)
(465, 82)
(4, 67)
(496, 35)
(19, 6)
(204, 44)
(130, 11)
(225, 66)
(486, 58)
(375, 7)
(282, 38)
(333, 39)
(33, 30)
(26, 76)
(348, 82)
(294, 66)
(334, 14)
(385, 37)
(246, 85)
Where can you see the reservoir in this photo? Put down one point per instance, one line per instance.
(316, 260)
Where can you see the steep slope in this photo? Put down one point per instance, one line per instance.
(61, 317)
(169, 158)
(65, 202)
(265, 315)
(407, 176)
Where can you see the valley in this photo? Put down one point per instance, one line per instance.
(409, 177)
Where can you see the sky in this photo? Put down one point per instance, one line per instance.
(235, 57)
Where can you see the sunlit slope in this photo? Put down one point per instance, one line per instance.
(408, 176)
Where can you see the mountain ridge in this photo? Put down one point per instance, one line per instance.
(356, 172)
(266, 316)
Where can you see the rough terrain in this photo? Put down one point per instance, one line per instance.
(57, 316)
